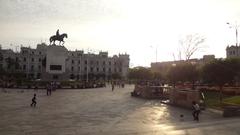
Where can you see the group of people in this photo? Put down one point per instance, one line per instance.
(120, 84)
(195, 106)
(50, 87)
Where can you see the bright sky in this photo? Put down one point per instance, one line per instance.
(120, 26)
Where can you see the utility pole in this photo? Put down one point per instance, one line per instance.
(156, 54)
(155, 51)
(236, 30)
(87, 68)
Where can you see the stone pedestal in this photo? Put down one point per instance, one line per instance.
(56, 63)
(184, 97)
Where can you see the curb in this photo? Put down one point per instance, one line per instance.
(214, 111)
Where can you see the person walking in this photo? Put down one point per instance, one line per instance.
(113, 86)
(34, 102)
(57, 33)
(49, 90)
(196, 111)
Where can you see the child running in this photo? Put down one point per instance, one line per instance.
(34, 101)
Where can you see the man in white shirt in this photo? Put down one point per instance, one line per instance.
(196, 111)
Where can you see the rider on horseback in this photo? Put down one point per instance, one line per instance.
(58, 37)
(57, 33)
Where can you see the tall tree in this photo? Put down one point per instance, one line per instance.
(218, 72)
(189, 73)
(233, 64)
(185, 72)
(173, 75)
(190, 45)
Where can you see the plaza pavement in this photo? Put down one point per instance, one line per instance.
(101, 111)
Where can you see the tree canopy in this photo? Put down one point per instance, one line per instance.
(185, 72)
(140, 73)
(218, 72)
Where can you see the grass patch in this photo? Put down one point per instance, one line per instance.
(212, 100)
(235, 100)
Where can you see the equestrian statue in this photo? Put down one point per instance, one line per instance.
(58, 37)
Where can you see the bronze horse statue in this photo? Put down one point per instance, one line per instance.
(59, 38)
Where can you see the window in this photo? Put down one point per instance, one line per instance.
(78, 61)
(24, 52)
(55, 67)
(40, 53)
(109, 70)
(38, 75)
(103, 62)
(39, 59)
(55, 77)
(109, 62)
(91, 69)
(97, 62)
(72, 61)
(85, 68)
(32, 67)
(85, 62)
(32, 59)
(78, 68)
(24, 59)
(97, 69)
(24, 67)
(39, 67)
(72, 68)
(103, 69)
(72, 76)
(31, 75)
(32, 52)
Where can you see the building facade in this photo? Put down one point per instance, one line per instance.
(51, 62)
(233, 51)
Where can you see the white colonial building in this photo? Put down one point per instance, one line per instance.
(51, 62)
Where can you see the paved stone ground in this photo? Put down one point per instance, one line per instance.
(101, 111)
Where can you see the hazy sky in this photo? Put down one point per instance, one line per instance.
(120, 26)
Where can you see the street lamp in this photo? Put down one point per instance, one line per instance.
(88, 55)
(155, 51)
(236, 28)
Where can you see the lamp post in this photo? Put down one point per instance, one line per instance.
(236, 29)
(87, 66)
(155, 51)
(88, 55)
